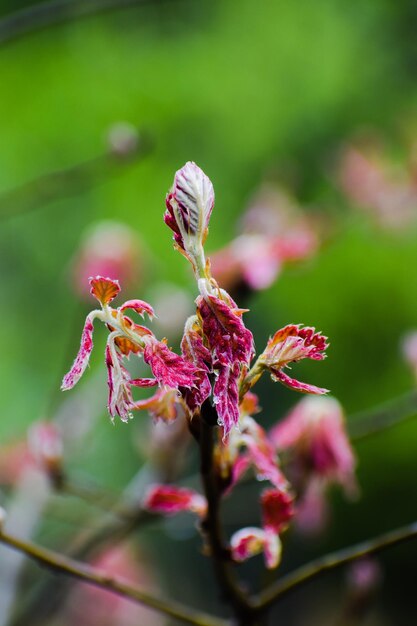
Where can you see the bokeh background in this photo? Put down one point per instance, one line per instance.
(256, 93)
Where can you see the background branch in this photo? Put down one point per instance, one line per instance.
(332, 561)
(46, 14)
(379, 418)
(69, 567)
(72, 180)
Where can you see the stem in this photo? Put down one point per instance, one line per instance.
(64, 565)
(46, 14)
(219, 552)
(109, 503)
(384, 416)
(331, 561)
(69, 181)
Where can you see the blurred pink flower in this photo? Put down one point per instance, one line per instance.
(107, 249)
(364, 575)
(89, 606)
(378, 186)
(250, 541)
(277, 509)
(273, 232)
(170, 500)
(409, 350)
(314, 431)
(312, 509)
(42, 449)
(15, 458)
(46, 446)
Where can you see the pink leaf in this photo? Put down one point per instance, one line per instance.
(139, 306)
(195, 352)
(226, 396)
(169, 368)
(82, 358)
(296, 385)
(104, 289)
(169, 500)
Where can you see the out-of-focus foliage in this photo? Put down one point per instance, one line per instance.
(253, 92)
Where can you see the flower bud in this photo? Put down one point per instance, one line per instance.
(189, 205)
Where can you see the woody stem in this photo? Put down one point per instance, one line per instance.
(212, 527)
(331, 561)
(64, 565)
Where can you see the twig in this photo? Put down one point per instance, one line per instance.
(331, 561)
(68, 181)
(93, 576)
(115, 527)
(212, 528)
(387, 415)
(46, 14)
(109, 503)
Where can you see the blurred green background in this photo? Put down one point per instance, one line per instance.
(248, 90)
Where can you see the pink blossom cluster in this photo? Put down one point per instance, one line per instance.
(274, 232)
(42, 449)
(378, 186)
(300, 458)
(217, 369)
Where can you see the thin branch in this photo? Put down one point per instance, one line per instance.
(101, 499)
(212, 527)
(46, 14)
(116, 526)
(69, 181)
(382, 417)
(329, 562)
(93, 576)
(45, 598)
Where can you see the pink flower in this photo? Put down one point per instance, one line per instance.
(312, 512)
(126, 338)
(273, 233)
(315, 433)
(388, 194)
(261, 453)
(248, 447)
(277, 509)
(170, 500)
(289, 345)
(248, 542)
